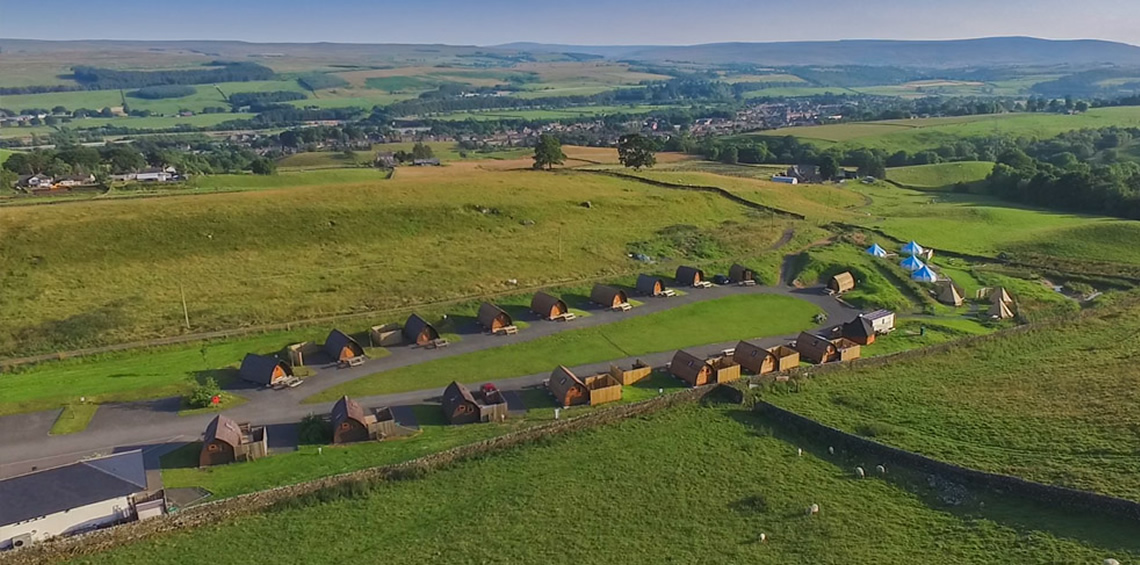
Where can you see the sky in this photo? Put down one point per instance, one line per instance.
(584, 22)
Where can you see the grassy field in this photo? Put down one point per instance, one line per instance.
(324, 242)
(560, 113)
(4, 154)
(942, 175)
(148, 123)
(653, 487)
(916, 135)
(73, 418)
(724, 319)
(1054, 405)
(874, 289)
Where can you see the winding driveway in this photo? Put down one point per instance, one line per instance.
(156, 426)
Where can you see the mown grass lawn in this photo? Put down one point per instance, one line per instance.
(690, 485)
(723, 319)
(1056, 405)
(73, 418)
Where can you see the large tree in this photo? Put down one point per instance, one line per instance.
(828, 166)
(548, 152)
(636, 151)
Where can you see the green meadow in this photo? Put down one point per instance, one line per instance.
(941, 175)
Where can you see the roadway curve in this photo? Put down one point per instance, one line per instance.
(156, 426)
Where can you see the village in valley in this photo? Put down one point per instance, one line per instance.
(848, 301)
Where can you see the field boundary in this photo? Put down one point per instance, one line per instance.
(67, 548)
(1004, 484)
(698, 188)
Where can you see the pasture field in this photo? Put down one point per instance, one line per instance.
(1055, 404)
(131, 123)
(693, 466)
(778, 91)
(724, 319)
(941, 175)
(205, 95)
(930, 133)
(334, 246)
(560, 113)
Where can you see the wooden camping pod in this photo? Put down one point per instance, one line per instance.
(815, 349)
(418, 331)
(632, 375)
(841, 282)
(494, 318)
(570, 390)
(649, 285)
(608, 296)
(739, 273)
(860, 330)
(264, 369)
(754, 359)
(351, 424)
(341, 347)
(548, 307)
(689, 276)
(226, 441)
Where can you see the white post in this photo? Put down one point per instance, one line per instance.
(557, 412)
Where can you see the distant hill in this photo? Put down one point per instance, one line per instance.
(985, 52)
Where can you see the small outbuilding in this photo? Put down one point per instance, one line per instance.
(690, 276)
(815, 349)
(264, 369)
(570, 390)
(609, 297)
(950, 294)
(649, 285)
(699, 372)
(754, 359)
(351, 424)
(846, 349)
(494, 319)
(548, 307)
(1000, 310)
(841, 282)
(418, 331)
(226, 441)
(883, 321)
(297, 353)
(387, 335)
(860, 330)
(342, 347)
(633, 375)
(739, 274)
(460, 406)
(786, 357)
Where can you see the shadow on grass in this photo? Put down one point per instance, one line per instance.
(1019, 513)
(185, 457)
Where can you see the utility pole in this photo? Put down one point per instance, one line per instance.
(185, 311)
(559, 243)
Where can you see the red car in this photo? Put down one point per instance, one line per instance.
(488, 389)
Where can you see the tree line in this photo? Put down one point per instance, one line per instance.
(98, 78)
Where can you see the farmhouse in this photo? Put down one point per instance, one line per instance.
(418, 331)
(351, 424)
(816, 349)
(570, 390)
(74, 181)
(690, 276)
(227, 441)
(494, 319)
(739, 274)
(804, 173)
(860, 330)
(462, 407)
(698, 372)
(548, 307)
(35, 182)
(786, 357)
(754, 359)
(386, 335)
(609, 297)
(883, 321)
(841, 283)
(950, 294)
(649, 285)
(264, 369)
(76, 498)
(341, 347)
(632, 375)
(156, 175)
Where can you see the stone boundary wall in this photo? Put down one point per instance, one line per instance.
(698, 188)
(1048, 494)
(67, 548)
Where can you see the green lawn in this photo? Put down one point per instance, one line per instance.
(874, 288)
(942, 175)
(73, 418)
(724, 319)
(691, 485)
(1055, 405)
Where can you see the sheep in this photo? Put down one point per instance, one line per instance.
(831, 451)
(859, 472)
(763, 537)
(880, 469)
(1111, 561)
(813, 510)
(800, 452)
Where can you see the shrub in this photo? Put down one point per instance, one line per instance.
(314, 430)
(203, 393)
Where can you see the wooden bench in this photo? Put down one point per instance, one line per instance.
(508, 330)
(568, 317)
(354, 361)
(668, 292)
(703, 284)
(437, 343)
(624, 307)
(747, 283)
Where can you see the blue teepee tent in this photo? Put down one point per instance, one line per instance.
(912, 248)
(876, 251)
(912, 264)
(925, 274)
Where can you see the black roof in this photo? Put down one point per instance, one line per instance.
(416, 325)
(337, 340)
(71, 486)
(859, 327)
(685, 274)
(259, 368)
(646, 283)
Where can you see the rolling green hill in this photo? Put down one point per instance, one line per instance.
(942, 175)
